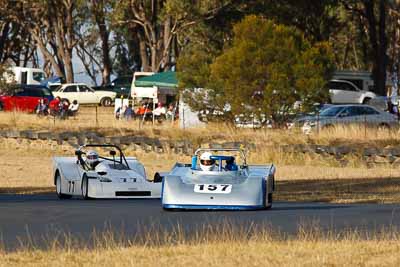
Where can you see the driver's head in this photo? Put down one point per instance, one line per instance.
(92, 157)
(206, 163)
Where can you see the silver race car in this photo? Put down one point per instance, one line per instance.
(227, 186)
(113, 176)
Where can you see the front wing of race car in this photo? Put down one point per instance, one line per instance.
(249, 195)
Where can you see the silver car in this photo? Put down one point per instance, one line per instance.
(238, 187)
(349, 114)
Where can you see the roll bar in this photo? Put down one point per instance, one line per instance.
(240, 150)
(122, 159)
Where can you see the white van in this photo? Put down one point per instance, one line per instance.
(141, 92)
(345, 92)
(22, 75)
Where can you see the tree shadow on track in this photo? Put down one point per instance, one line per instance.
(360, 190)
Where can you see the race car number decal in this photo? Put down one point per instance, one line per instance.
(213, 188)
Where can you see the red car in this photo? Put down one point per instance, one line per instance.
(25, 98)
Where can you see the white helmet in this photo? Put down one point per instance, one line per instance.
(206, 163)
(92, 157)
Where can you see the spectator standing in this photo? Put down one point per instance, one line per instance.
(128, 113)
(54, 106)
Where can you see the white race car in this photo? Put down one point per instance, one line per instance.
(113, 177)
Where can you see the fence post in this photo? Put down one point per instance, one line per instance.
(97, 118)
(365, 126)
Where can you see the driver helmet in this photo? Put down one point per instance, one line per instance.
(92, 158)
(206, 163)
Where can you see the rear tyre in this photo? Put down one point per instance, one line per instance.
(59, 186)
(366, 101)
(269, 199)
(327, 127)
(66, 100)
(384, 126)
(106, 101)
(85, 187)
(1, 106)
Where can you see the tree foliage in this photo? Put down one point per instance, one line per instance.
(117, 37)
(269, 67)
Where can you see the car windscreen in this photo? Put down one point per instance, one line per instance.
(38, 76)
(331, 111)
(46, 92)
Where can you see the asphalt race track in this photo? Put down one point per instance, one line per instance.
(43, 217)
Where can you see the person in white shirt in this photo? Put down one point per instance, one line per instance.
(159, 112)
(73, 108)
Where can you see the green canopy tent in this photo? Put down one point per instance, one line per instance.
(162, 80)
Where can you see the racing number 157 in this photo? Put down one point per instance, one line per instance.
(213, 188)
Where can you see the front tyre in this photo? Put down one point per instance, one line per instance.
(66, 100)
(268, 196)
(85, 187)
(60, 195)
(106, 101)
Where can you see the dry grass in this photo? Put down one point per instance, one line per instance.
(106, 123)
(221, 246)
(252, 253)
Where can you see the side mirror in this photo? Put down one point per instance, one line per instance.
(113, 153)
(102, 173)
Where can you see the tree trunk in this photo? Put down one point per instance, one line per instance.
(143, 53)
(378, 43)
(383, 60)
(107, 67)
(166, 60)
(4, 33)
(99, 16)
(69, 69)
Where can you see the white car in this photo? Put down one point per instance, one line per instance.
(345, 92)
(112, 177)
(84, 94)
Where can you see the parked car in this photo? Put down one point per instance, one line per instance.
(25, 98)
(252, 122)
(348, 114)
(120, 85)
(345, 92)
(84, 94)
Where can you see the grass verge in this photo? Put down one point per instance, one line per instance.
(223, 245)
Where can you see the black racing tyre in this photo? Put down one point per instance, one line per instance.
(384, 126)
(366, 100)
(58, 187)
(328, 127)
(1, 106)
(65, 99)
(85, 187)
(269, 204)
(106, 101)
